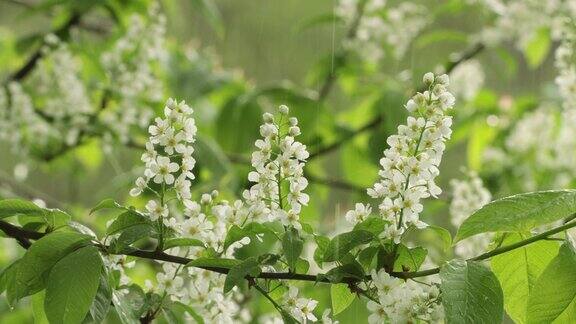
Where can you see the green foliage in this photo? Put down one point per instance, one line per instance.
(538, 47)
(29, 275)
(519, 213)
(343, 243)
(554, 292)
(519, 270)
(470, 293)
(341, 297)
(237, 273)
(72, 286)
(292, 246)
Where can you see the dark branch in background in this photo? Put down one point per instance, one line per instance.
(377, 120)
(63, 33)
(339, 59)
(24, 236)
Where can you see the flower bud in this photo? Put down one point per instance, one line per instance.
(268, 118)
(443, 79)
(206, 199)
(294, 131)
(428, 78)
(293, 121)
(284, 109)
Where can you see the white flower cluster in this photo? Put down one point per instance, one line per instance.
(382, 27)
(468, 196)
(521, 20)
(402, 301)
(168, 158)
(63, 103)
(523, 145)
(467, 79)
(17, 113)
(279, 172)
(566, 63)
(299, 307)
(131, 66)
(410, 165)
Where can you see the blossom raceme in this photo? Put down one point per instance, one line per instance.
(468, 196)
(410, 164)
(278, 192)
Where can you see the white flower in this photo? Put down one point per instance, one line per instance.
(197, 227)
(141, 184)
(304, 309)
(359, 214)
(163, 169)
(156, 210)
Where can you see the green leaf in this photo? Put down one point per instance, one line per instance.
(340, 245)
(409, 259)
(554, 290)
(321, 245)
(181, 241)
(292, 246)
(518, 270)
(236, 233)
(537, 49)
(372, 224)
(101, 304)
(106, 204)
(129, 306)
(444, 235)
(72, 286)
(480, 137)
(207, 263)
(13, 207)
(243, 110)
(126, 220)
(349, 270)
(519, 213)
(131, 235)
(238, 273)
(437, 36)
(30, 274)
(38, 308)
(470, 293)
(341, 297)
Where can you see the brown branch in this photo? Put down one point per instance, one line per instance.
(63, 33)
(24, 236)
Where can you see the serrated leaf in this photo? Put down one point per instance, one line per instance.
(518, 271)
(238, 273)
(341, 297)
(519, 213)
(444, 235)
(126, 220)
(340, 245)
(72, 286)
(372, 224)
(106, 204)
(33, 269)
(409, 259)
(471, 293)
(13, 207)
(554, 290)
(292, 246)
